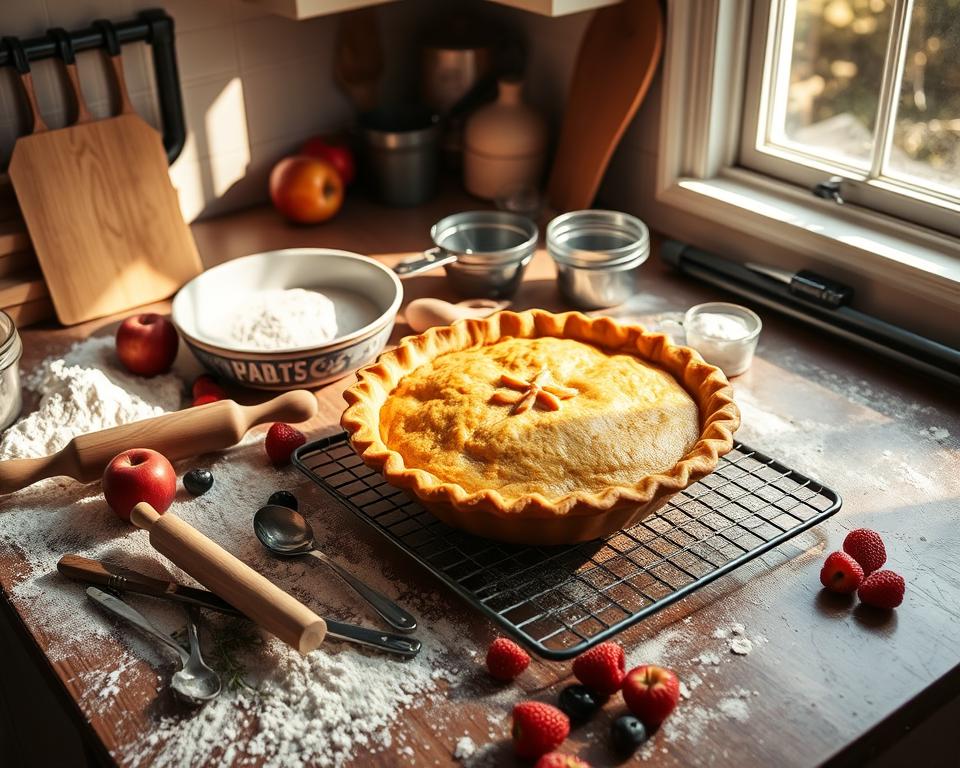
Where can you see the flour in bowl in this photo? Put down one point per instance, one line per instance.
(283, 319)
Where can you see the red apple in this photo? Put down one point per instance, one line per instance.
(139, 475)
(147, 344)
(305, 189)
(651, 693)
(334, 152)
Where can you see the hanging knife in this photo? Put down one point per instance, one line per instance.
(113, 576)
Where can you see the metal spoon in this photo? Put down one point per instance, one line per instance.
(196, 676)
(194, 683)
(286, 533)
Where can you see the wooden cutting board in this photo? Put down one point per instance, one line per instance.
(618, 57)
(102, 213)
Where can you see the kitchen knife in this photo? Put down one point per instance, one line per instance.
(122, 579)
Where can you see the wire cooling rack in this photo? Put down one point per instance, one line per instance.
(559, 601)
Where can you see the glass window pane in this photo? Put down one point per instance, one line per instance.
(827, 88)
(926, 138)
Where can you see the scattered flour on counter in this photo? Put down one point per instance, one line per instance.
(320, 709)
(465, 749)
(283, 319)
(741, 646)
(84, 391)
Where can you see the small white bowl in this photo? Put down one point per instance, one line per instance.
(732, 355)
(366, 297)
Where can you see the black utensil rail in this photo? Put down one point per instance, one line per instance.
(560, 601)
(152, 26)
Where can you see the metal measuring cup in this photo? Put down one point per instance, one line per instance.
(484, 253)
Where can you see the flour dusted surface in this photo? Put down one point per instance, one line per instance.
(85, 391)
(283, 319)
(322, 709)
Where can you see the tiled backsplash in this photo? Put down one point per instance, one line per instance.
(256, 85)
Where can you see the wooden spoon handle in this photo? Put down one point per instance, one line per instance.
(112, 44)
(61, 38)
(233, 580)
(178, 435)
(22, 65)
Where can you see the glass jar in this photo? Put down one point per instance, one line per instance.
(598, 255)
(11, 397)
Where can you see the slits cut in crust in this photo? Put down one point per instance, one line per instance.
(533, 518)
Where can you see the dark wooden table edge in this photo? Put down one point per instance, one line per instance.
(95, 750)
(897, 725)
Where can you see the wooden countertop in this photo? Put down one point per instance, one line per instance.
(825, 681)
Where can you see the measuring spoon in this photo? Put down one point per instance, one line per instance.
(286, 532)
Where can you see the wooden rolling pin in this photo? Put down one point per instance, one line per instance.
(177, 435)
(233, 580)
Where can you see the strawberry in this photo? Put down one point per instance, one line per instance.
(601, 669)
(204, 399)
(538, 728)
(841, 573)
(281, 441)
(882, 589)
(651, 693)
(205, 384)
(506, 659)
(866, 547)
(560, 760)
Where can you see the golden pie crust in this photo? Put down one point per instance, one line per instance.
(541, 428)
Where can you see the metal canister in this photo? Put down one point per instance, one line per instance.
(401, 155)
(598, 255)
(11, 397)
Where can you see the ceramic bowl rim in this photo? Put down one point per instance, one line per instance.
(335, 342)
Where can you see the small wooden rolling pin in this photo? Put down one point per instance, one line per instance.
(177, 435)
(233, 580)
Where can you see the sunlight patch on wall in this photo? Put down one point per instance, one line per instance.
(226, 126)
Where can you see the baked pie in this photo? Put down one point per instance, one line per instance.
(539, 428)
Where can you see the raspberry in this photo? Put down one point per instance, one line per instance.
(538, 728)
(866, 547)
(882, 589)
(506, 659)
(651, 693)
(560, 760)
(841, 573)
(205, 384)
(281, 441)
(601, 669)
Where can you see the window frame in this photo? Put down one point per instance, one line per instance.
(698, 175)
(869, 188)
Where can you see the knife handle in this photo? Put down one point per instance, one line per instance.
(83, 569)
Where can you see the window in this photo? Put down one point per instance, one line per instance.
(867, 91)
(751, 92)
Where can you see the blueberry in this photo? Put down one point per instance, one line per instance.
(628, 734)
(579, 703)
(198, 481)
(283, 499)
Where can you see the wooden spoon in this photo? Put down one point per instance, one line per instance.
(615, 66)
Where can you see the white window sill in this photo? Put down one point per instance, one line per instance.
(927, 263)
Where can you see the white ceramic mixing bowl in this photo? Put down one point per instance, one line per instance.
(366, 296)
